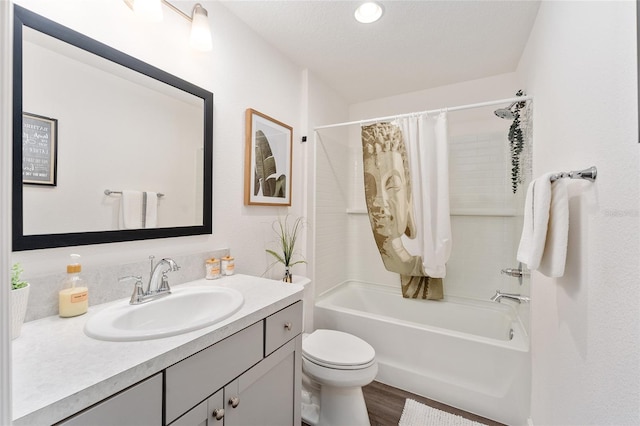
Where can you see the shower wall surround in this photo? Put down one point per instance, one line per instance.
(332, 201)
(486, 216)
(103, 282)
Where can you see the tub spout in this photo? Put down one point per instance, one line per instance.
(509, 296)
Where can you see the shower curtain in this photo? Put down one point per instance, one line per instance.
(407, 195)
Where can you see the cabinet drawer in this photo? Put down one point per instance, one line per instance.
(141, 404)
(192, 380)
(282, 326)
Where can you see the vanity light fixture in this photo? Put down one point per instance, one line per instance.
(200, 32)
(151, 10)
(369, 12)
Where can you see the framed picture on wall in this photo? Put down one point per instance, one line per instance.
(39, 150)
(268, 157)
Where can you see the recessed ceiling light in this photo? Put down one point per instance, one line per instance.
(368, 12)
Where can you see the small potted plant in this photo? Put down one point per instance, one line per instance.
(19, 298)
(287, 237)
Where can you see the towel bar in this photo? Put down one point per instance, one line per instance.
(109, 192)
(588, 174)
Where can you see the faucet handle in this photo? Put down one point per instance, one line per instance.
(138, 292)
(164, 284)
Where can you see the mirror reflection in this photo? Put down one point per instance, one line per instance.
(127, 159)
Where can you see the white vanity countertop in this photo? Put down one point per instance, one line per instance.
(58, 370)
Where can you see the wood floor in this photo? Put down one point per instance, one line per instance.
(385, 404)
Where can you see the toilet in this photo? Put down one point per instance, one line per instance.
(335, 366)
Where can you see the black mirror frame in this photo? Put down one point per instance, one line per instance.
(24, 17)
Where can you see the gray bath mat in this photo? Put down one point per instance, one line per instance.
(417, 414)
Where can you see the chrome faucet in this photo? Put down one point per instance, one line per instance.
(154, 289)
(156, 272)
(509, 296)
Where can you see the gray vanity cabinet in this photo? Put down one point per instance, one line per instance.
(253, 375)
(251, 378)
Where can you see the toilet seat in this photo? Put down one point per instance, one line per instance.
(337, 350)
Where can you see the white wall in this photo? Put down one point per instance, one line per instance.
(243, 72)
(580, 64)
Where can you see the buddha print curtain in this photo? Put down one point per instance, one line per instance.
(407, 195)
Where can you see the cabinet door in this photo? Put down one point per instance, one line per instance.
(269, 393)
(195, 378)
(139, 405)
(207, 413)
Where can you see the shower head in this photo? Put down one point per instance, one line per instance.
(505, 113)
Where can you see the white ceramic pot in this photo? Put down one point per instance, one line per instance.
(19, 299)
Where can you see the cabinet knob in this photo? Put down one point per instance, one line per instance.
(287, 326)
(234, 401)
(218, 413)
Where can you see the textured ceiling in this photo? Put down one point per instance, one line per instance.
(416, 45)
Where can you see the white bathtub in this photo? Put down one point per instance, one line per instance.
(470, 354)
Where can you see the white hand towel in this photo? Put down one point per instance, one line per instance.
(555, 248)
(151, 210)
(536, 220)
(131, 209)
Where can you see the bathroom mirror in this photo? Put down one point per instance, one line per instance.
(90, 122)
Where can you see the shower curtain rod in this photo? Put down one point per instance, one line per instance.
(433, 111)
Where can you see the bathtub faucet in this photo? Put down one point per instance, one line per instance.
(518, 272)
(509, 296)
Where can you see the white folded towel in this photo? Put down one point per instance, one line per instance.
(151, 211)
(536, 219)
(131, 209)
(543, 243)
(555, 248)
(138, 209)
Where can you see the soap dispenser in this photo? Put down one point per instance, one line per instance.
(73, 299)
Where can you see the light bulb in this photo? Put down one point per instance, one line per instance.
(200, 31)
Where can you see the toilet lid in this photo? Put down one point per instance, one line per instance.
(337, 348)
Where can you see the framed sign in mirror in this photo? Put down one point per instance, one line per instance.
(39, 149)
(125, 125)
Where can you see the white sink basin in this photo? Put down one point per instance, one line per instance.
(185, 309)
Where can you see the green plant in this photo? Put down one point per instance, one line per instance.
(516, 144)
(287, 237)
(16, 282)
